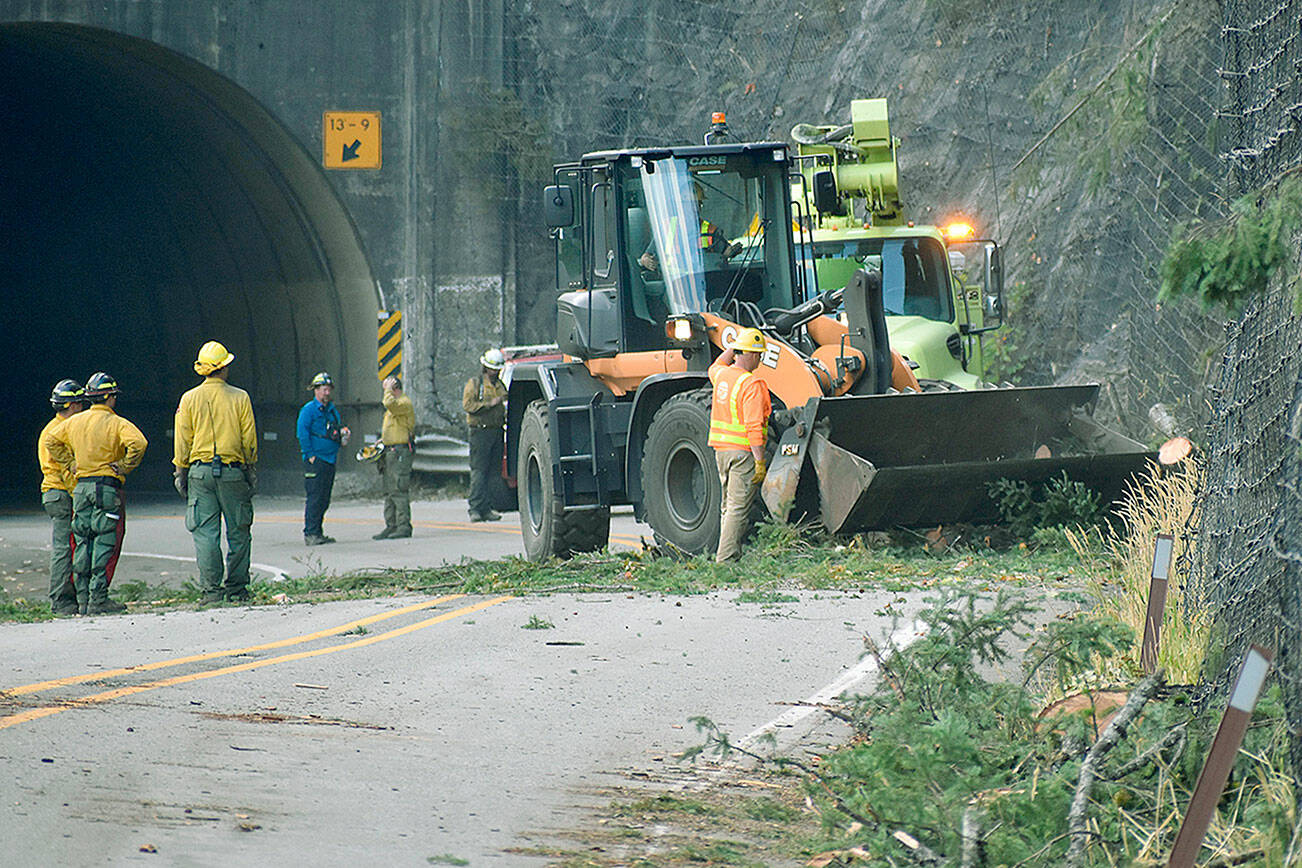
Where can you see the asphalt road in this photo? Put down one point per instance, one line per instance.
(394, 730)
(446, 729)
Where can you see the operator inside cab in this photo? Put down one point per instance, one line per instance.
(712, 238)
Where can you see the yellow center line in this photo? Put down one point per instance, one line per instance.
(118, 693)
(195, 658)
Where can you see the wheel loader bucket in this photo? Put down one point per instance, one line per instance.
(915, 460)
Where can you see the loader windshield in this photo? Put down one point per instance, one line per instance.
(914, 271)
(698, 237)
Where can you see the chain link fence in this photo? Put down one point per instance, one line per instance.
(1247, 564)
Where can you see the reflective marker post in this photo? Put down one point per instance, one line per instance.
(1220, 759)
(1162, 548)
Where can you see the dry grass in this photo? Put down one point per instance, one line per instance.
(1160, 501)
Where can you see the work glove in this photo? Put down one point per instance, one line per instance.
(181, 480)
(761, 468)
(251, 477)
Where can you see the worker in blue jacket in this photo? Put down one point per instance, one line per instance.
(320, 434)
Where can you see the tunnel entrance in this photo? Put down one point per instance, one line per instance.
(150, 204)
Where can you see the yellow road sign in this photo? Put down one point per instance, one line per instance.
(389, 335)
(350, 140)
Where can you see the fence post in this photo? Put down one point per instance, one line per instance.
(1220, 759)
(1162, 547)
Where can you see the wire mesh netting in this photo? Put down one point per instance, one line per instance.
(1247, 566)
(1136, 155)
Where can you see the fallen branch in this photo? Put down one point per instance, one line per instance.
(921, 853)
(1237, 859)
(885, 668)
(1112, 735)
(973, 852)
(836, 711)
(1173, 737)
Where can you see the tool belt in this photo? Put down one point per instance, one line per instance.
(238, 465)
(102, 480)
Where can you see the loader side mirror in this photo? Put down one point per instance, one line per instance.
(826, 198)
(994, 295)
(558, 206)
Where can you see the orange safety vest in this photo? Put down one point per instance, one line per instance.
(727, 428)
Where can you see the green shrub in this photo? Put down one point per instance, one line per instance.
(1060, 502)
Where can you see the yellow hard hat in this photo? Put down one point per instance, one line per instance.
(748, 340)
(212, 357)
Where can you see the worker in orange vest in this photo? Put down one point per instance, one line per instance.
(739, 422)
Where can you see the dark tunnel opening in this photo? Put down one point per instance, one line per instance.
(150, 205)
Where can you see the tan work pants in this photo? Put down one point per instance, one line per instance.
(736, 469)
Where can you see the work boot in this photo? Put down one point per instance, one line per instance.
(238, 595)
(66, 609)
(317, 539)
(401, 534)
(490, 515)
(384, 534)
(82, 601)
(105, 606)
(211, 597)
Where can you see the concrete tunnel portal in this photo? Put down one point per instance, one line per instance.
(151, 204)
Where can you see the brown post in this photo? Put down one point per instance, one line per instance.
(1162, 547)
(1220, 759)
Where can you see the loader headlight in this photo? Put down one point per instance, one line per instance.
(679, 329)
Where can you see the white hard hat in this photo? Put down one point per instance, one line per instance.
(493, 359)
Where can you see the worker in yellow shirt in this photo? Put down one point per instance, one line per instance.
(102, 448)
(396, 432)
(215, 451)
(57, 483)
(484, 400)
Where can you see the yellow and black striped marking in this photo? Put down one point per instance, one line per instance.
(389, 333)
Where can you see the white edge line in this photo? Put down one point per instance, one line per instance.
(900, 639)
(277, 574)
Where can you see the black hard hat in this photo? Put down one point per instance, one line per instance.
(67, 392)
(101, 385)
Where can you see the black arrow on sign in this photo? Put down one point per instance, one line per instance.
(350, 151)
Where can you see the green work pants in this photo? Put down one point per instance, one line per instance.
(58, 506)
(736, 472)
(395, 468)
(485, 467)
(99, 522)
(209, 501)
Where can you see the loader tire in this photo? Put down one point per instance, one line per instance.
(548, 528)
(680, 479)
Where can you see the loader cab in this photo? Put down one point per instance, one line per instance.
(914, 270)
(645, 234)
